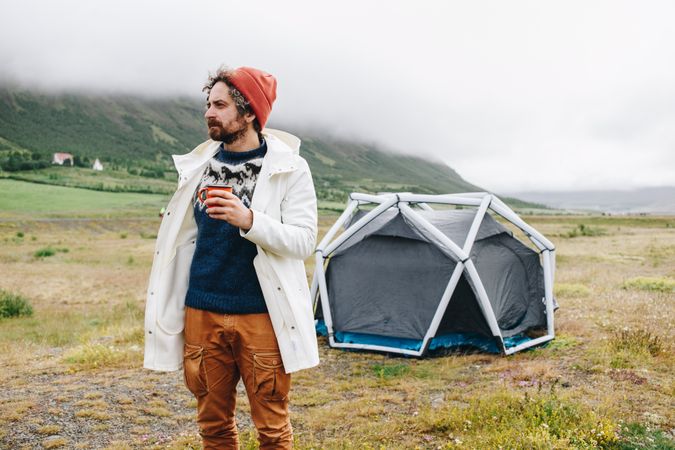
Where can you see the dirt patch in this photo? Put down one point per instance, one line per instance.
(134, 407)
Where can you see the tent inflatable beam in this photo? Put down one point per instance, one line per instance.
(351, 206)
(330, 248)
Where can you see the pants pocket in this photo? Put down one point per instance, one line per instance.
(270, 381)
(194, 371)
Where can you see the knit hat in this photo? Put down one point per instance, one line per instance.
(259, 88)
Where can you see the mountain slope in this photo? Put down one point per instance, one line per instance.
(132, 133)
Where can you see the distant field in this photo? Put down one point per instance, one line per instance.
(23, 199)
(106, 180)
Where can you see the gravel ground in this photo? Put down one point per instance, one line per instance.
(123, 408)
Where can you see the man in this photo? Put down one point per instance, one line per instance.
(228, 296)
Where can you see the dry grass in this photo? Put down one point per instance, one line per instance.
(57, 442)
(606, 381)
(49, 430)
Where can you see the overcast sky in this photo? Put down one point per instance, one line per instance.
(514, 95)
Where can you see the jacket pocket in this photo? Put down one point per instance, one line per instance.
(194, 370)
(270, 381)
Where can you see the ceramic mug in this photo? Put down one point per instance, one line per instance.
(205, 192)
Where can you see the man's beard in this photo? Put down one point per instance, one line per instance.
(235, 132)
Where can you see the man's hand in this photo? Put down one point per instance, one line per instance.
(227, 206)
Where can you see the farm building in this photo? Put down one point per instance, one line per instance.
(61, 158)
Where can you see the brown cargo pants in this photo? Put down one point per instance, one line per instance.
(219, 350)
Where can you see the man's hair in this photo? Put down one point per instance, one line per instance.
(243, 106)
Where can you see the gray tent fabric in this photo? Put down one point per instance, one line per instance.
(388, 278)
(374, 283)
(514, 281)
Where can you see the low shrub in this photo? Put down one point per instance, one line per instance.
(584, 230)
(44, 252)
(639, 342)
(13, 305)
(49, 251)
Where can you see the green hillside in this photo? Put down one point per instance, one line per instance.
(135, 136)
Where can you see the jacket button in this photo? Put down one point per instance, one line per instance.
(158, 253)
(152, 293)
(278, 288)
(292, 328)
(149, 332)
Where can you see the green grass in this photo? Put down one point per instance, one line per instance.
(38, 200)
(653, 284)
(635, 435)
(13, 305)
(571, 290)
(390, 371)
(508, 420)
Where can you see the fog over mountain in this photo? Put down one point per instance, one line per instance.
(522, 95)
(657, 200)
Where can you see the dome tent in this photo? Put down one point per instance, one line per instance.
(405, 278)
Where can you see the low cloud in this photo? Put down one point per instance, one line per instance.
(517, 95)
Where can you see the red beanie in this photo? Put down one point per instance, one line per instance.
(259, 88)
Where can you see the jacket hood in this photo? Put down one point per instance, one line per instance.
(281, 146)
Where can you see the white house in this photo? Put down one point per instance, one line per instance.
(97, 165)
(61, 158)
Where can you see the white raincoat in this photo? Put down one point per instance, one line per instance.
(284, 231)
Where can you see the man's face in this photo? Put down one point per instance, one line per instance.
(222, 117)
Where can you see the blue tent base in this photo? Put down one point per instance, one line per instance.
(447, 341)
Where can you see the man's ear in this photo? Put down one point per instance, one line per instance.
(249, 117)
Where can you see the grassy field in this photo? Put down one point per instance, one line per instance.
(71, 375)
(21, 200)
(107, 180)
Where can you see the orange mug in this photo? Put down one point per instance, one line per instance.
(205, 192)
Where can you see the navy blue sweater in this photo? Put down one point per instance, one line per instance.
(222, 276)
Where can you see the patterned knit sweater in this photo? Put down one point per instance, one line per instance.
(222, 276)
